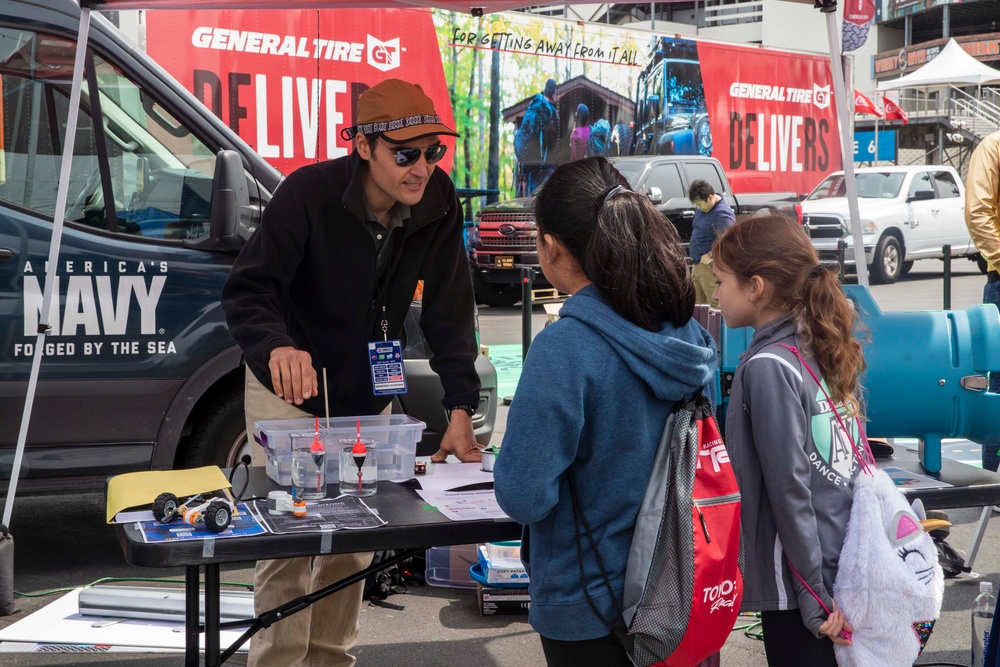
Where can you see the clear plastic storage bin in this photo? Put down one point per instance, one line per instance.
(396, 438)
(449, 566)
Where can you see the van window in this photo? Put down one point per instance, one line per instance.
(668, 179)
(945, 185)
(921, 183)
(705, 171)
(157, 172)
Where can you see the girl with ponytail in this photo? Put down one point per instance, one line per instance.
(592, 400)
(795, 468)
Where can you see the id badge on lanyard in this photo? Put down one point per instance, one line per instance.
(386, 361)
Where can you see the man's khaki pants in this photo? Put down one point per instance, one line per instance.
(321, 634)
(704, 281)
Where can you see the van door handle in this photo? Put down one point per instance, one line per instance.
(687, 214)
(6, 253)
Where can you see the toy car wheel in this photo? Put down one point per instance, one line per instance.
(165, 507)
(218, 515)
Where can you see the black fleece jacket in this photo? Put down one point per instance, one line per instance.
(306, 278)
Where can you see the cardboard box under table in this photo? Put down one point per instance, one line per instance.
(395, 436)
(499, 601)
(412, 528)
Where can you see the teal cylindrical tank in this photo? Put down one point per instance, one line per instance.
(926, 373)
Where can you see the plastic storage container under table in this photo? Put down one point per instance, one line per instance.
(449, 566)
(396, 438)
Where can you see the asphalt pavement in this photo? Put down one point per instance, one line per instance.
(63, 542)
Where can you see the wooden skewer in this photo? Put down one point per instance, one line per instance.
(326, 399)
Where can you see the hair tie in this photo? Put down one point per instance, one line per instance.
(817, 271)
(608, 195)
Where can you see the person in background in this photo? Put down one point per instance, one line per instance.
(794, 467)
(536, 140)
(332, 267)
(580, 137)
(982, 216)
(713, 216)
(626, 332)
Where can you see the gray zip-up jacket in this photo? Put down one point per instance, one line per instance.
(796, 473)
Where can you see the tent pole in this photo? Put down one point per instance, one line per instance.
(875, 156)
(51, 269)
(846, 146)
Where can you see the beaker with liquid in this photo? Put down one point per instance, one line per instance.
(358, 472)
(309, 452)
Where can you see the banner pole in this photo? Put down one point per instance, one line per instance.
(847, 152)
(48, 309)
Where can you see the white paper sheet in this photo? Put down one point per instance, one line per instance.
(465, 505)
(904, 479)
(61, 623)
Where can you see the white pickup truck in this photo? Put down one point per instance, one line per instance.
(907, 213)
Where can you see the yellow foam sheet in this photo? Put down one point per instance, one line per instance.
(136, 489)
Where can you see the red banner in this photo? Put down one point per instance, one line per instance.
(773, 117)
(864, 105)
(893, 112)
(288, 82)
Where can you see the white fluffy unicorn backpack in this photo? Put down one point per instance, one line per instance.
(889, 583)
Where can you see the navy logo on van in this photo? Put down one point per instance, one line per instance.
(507, 230)
(108, 306)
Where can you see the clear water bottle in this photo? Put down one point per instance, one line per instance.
(982, 621)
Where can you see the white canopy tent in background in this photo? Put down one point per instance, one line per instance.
(474, 7)
(951, 67)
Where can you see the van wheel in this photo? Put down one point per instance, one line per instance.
(888, 264)
(220, 436)
(906, 267)
(498, 296)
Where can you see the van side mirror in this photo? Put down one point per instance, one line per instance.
(230, 202)
(655, 195)
(921, 195)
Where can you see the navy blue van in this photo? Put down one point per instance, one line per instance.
(139, 371)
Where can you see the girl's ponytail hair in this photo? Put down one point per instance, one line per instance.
(777, 249)
(624, 245)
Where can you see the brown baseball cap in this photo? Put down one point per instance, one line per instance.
(399, 111)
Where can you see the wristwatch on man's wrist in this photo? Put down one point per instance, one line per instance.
(467, 409)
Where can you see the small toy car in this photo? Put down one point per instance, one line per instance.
(419, 468)
(212, 512)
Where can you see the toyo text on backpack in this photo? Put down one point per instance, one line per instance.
(684, 580)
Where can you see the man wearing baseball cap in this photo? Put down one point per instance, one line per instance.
(332, 267)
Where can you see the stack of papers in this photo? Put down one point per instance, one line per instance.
(460, 491)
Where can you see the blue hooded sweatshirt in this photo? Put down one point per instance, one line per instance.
(591, 402)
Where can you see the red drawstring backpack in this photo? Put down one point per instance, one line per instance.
(684, 579)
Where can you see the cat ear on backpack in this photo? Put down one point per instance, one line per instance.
(927, 524)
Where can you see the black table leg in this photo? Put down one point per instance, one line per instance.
(192, 622)
(212, 612)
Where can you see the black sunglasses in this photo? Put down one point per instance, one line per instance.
(409, 156)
